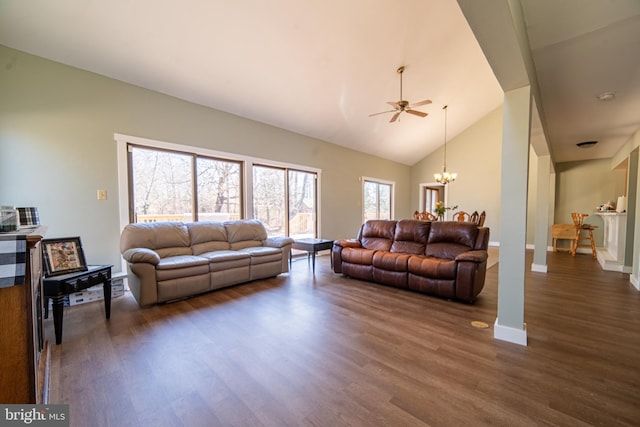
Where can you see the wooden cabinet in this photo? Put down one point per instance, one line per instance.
(24, 352)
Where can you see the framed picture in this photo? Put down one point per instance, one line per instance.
(63, 256)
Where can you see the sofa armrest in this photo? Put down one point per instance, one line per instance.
(473, 256)
(135, 255)
(278, 242)
(348, 243)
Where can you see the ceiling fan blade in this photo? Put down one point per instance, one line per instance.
(395, 117)
(395, 105)
(417, 113)
(381, 112)
(417, 104)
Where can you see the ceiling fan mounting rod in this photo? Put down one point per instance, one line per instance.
(400, 71)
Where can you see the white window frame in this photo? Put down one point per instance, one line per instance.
(122, 141)
(364, 179)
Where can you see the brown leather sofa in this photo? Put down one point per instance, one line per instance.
(172, 260)
(442, 258)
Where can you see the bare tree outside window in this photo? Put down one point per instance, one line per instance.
(302, 204)
(219, 187)
(163, 186)
(183, 186)
(269, 204)
(285, 201)
(377, 200)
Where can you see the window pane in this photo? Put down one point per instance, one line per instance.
(302, 204)
(162, 186)
(219, 189)
(269, 199)
(377, 200)
(384, 201)
(370, 200)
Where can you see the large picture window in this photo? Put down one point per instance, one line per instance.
(162, 181)
(285, 201)
(174, 186)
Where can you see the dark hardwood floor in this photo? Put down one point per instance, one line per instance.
(299, 350)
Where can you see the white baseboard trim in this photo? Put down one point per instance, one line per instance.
(634, 281)
(513, 335)
(538, 268)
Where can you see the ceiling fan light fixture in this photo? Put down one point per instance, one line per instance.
(586, 144)
(445, 177)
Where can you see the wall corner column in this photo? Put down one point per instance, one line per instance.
(509, 324)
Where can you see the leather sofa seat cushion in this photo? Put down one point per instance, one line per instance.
(181, 266)
(358, 256)
(180, 261)
(263, 254)
(377, 235)
(391, 261)
(411, 236)
(207, 236)
(433, 267)
(224, 260)
(446, 250)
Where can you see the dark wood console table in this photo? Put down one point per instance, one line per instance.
(312, 246)
(57, 287)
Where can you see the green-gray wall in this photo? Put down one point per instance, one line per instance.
(57, 126)
(475, 155)
(583, 186)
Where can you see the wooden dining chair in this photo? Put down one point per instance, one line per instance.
(424, 216)
(462, 216)
(475, 217)
(584, 234)
(481, 219)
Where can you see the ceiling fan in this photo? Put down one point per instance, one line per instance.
(402, 105)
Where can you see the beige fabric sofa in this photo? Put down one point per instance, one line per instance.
(172, 260)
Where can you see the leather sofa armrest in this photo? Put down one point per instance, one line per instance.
(278, 242)
(473, 256)
(348, 243)
(135, 255)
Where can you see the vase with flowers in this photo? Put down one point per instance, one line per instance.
(441, 209)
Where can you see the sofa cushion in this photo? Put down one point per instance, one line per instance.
(377, 234)
(411, 236)
(358, 256)
(166, 238)
(207, 236)
(181, 266)
(263, 254)
(245, 233)
(224, 260)
(448, 239)
(391, 261)
(180, 261)
(436, 268)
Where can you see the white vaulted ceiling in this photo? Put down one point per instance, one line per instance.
(319, 68)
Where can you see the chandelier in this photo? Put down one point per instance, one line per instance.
(445, 177)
